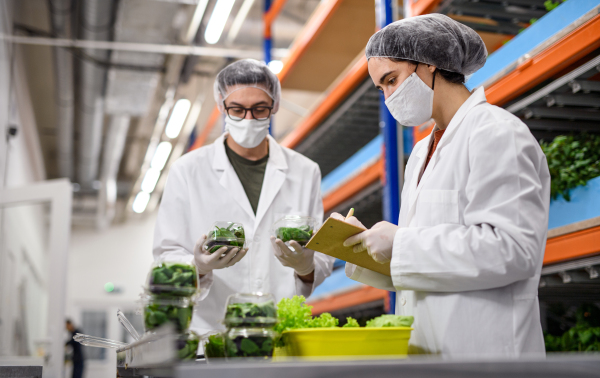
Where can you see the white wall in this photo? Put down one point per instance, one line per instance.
(121, 254)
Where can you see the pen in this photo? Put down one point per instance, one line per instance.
(350, 213)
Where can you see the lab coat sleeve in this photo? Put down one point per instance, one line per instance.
(503, 235)
(369, 277)
(173, 240)
(323, 263)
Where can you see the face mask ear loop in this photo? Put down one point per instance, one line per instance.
(433, 82)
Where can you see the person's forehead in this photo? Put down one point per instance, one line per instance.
(247, 95)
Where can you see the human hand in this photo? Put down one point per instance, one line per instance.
(377, 241)
(221, 258)
(300, 259)
(352, 220)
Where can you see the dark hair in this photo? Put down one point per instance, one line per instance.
(449, 76)
(68, 321)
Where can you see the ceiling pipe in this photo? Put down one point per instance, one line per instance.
(97, 19)
(111, 160)
(63, 73)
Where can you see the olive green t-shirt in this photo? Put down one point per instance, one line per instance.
(251, 174)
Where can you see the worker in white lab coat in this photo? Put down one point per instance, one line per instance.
(467, 253)
(243, 177)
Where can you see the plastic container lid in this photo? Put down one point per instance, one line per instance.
(225, 234)
(172, 279)
(159, 310)
(294, 227)
(250, 310)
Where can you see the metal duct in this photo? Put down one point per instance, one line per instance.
(111, 159)
(63, 73)
(97, 18)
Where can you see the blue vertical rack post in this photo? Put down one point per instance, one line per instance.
(392, 149)
(267, 47)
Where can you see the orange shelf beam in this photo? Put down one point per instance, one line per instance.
(364, 294)
(423, 6)
(554, 59)
(365, 178)
(355, 76)
(571, 246)
(313, 27)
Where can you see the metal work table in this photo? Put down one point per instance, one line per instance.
(580, 366)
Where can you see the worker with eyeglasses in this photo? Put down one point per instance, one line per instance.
(245, 176)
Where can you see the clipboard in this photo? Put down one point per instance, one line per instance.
(330, 238)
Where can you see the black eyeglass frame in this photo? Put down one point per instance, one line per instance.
(246, 112)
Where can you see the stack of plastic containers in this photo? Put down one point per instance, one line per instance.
(169, 298)
(249, 319)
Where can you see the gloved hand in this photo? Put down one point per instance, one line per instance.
(377, 241)
(206, 262)
(300, 259)
(352, 220)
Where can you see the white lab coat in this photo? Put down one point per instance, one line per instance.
(203, 188)
(466, 261)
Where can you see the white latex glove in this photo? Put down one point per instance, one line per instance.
(300, 259)
(352, 220)
(377, 241)
(206, 262)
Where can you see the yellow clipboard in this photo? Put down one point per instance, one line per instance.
(330, 238)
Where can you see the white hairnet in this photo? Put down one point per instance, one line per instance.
(433, 39)
(246, 73)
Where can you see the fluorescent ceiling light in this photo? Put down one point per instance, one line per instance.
(196, 20)
(161, 155)
(276, 66)
(217, 21)
(140, 202)
(150, 180)
(239, 20)
(178, 116)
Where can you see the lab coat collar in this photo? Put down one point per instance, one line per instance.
(477, 97)
(275, 174)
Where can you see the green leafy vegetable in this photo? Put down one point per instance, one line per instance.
(231, 236)
(156, 315)
(583, 337)
(250, 346)
(251, 314)
(173, 279)
(215, 347)
(188, 348)
(572, 161)
(292, 313)
(551, 5)
(301, 234)
(325, 320)
(351, 323)
(390, 321)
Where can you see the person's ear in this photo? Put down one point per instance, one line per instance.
(431, 68)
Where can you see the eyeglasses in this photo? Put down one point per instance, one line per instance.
(238, 113)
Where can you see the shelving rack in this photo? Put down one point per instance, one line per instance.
(547, 75)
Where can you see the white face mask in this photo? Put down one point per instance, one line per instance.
(411, 104)
(248, 133)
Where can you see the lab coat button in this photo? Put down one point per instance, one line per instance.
(402, 301)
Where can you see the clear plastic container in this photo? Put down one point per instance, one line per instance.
(249, 342)
(187, 346)
(172, 279)
(213, 344)
(225, 234)
(250, 310)
(294, 227)
(160, 310)
(98, 342)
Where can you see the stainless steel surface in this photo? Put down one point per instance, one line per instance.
(580, 366)
(20, 371)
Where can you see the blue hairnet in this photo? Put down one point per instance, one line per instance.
(246, 73)
(433, 39)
